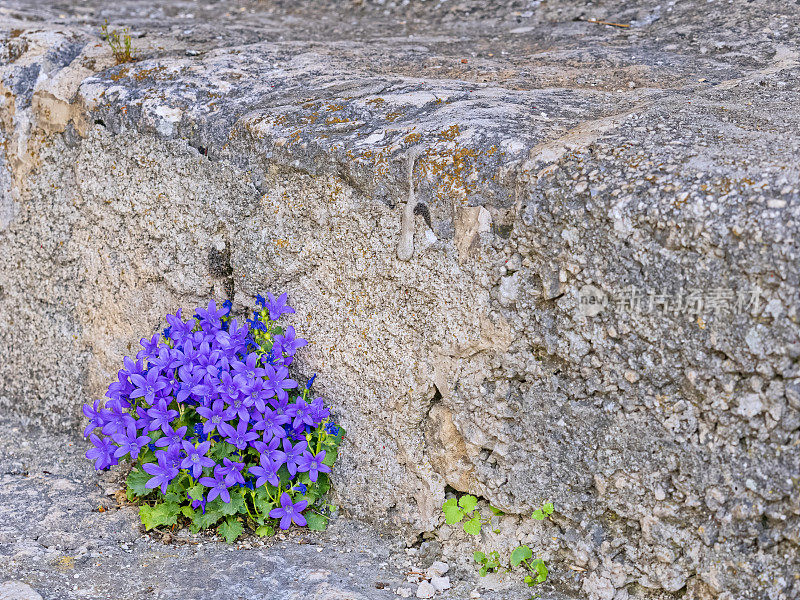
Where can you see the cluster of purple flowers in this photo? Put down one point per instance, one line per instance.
(210, 380)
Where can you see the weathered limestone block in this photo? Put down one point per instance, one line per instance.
(440, 227)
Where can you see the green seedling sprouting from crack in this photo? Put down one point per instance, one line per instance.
(456, 511)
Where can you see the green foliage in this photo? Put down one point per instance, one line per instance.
(230, 529)
(540, 514)
(136, 481)
(120, 43)
(456, 511)
(316, 522)
(163, 514)
(520, 553)
(490, 563)
(520, 556)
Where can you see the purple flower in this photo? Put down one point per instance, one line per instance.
(172, 438)
(179, 329)
(260, 300)
(130, 442)
(211, 317)
(148, 386)
(232, 471)
(163, 472)
(102, 453)
(161, 416)
(239, 436)
(269, 449)
(95, 416)
(192, 385)
(288, 343)
(331, 429)
(278, 306)
(318, 411)
(289, 512)
(277, 381)
(149, 347)
(217, 485)
(293, 454)
(196, 458)
(312, 465)
(301, 413)
(272, 423)
(215, 416)
(267, 471)
(249, 368)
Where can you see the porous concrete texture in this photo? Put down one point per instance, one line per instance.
(441, 188)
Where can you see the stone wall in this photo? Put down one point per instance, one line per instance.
(437, 227)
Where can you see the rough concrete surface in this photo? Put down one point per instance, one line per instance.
(65, 535)
(439, 186)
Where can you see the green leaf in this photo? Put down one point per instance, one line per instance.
(205, 520)
(541, 570)
(496, 511)
(196, 492)
(468, 503)
(538, 514)
(484, 570)
(548, 508)
(136, 482)
(187, 511)
(234, 506)
(230, 529)
(479, 557)
(265, 531)
(452, 514)
(316, 522)
(519, 554)
(159, 515)
(529, 580)
(330, 457)
(473, 526)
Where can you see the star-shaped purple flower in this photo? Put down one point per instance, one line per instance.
(147, 387)
(130, 442)
(278, 306)
(217, 485)
(239, 436)
(196, 458)
(312, 464)
(289, 512)
(163, 472)
(102, 452)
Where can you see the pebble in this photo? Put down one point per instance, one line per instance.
(404, 592)
(440, 583)
(474, 594)
(437, 569)
(425, 590)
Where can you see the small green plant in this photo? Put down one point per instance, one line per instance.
(466, 507)
(522, 555)
(540, 514)
(456, 511)
(488, 563)
(120, 42)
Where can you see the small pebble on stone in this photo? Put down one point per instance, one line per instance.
(425, 590)
(438, 568)
(440, 583)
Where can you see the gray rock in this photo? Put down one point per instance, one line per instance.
(16, 590)
(440, 584)
(425, 590)
(283, 151)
